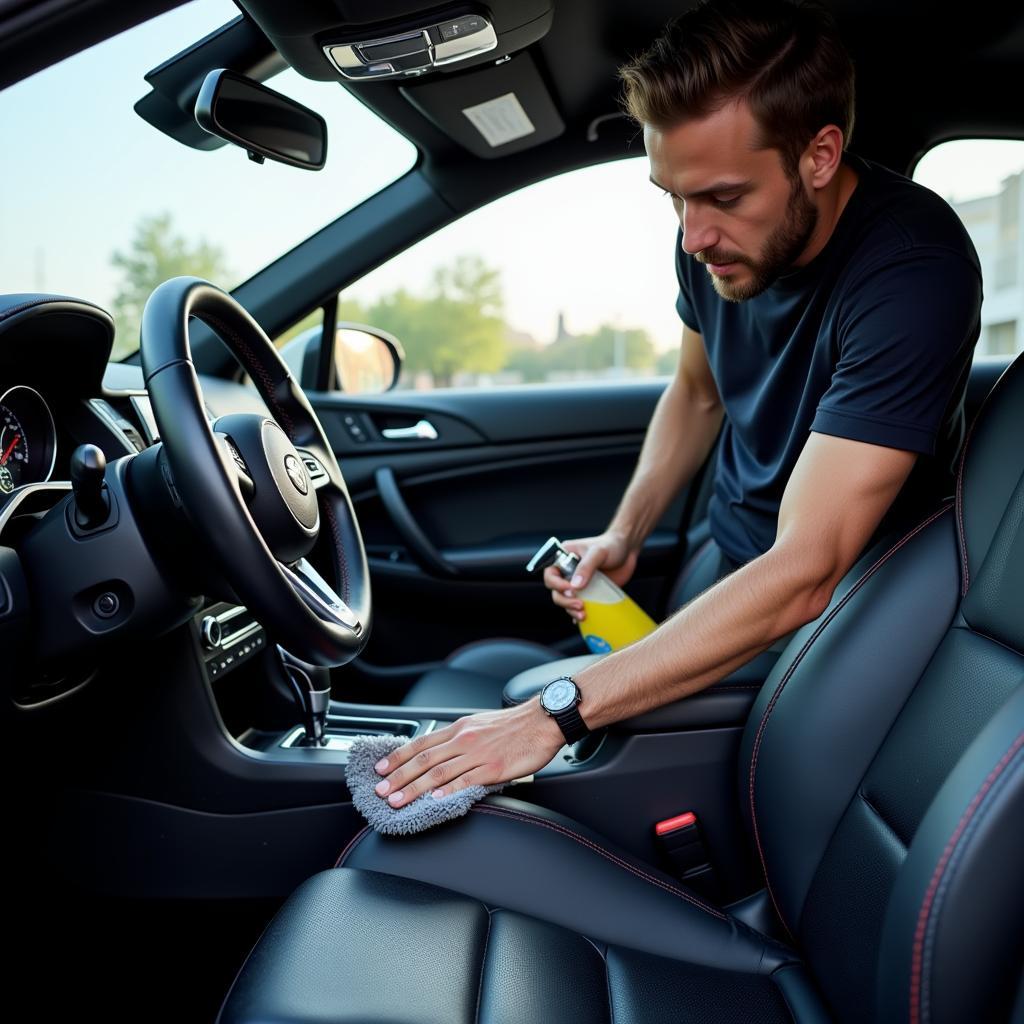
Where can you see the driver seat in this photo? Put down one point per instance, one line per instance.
(881, 774)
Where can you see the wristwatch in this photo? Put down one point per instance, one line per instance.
(559, 699)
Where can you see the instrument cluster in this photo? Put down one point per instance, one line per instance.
(28, 438)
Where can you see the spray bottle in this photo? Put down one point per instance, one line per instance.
(613, 619)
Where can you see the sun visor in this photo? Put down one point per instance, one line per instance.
(492, 111)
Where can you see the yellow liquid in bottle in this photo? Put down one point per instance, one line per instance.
(609, 627)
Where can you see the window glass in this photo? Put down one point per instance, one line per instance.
(99, 204)
(571, 279)
(983, 180)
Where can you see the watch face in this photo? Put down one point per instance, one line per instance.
(559, 695)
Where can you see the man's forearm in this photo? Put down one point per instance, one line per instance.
(682, 431)
(716, 633)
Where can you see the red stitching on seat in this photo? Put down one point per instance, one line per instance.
(607, 854)
(358, 837)
(917, 958)
(504, 812)
(788, 675)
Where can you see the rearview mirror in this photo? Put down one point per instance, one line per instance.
(261, 121)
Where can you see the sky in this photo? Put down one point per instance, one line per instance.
(81, 168)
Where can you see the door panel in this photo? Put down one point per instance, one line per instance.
(450, 523)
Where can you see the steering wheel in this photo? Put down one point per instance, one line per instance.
(257, 490)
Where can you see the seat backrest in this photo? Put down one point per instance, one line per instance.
(883, 763)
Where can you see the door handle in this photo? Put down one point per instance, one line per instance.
(422, 431)
(420, 546)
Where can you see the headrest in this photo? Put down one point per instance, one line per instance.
(990, 513)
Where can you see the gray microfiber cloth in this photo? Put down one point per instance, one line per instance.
(424, 812)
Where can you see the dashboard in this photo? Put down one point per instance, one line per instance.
(57, 392)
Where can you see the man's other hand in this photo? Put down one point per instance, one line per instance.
(608, 552)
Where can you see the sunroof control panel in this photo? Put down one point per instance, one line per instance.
(415, 52)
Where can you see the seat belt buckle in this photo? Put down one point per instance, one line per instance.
(682, 848)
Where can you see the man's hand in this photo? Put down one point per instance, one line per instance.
(479, 750)
(608, 552)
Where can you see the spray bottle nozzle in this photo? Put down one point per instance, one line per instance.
(551, 552)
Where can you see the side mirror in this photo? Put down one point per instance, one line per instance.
(367, 360)
(261, 121)
(363, 360)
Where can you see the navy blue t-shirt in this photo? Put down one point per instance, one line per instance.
(871, 340)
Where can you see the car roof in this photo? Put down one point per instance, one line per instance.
(922, 75)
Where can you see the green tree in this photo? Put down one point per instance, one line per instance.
(457, 326)
(155, 254)
(603, 349)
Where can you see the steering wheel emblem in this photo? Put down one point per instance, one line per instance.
(296, 473)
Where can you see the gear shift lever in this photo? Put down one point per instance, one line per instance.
(311, 685)
(92, 506)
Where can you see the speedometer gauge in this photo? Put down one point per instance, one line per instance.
(28, 438)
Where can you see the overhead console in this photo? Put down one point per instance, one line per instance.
(380, 40)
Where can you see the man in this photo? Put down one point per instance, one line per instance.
(829, 308)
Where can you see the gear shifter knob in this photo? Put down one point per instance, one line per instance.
(312, 688)
(88, 466)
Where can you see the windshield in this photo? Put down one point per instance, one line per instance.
(98, 204)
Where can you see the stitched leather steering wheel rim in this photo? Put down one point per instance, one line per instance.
(299, 609)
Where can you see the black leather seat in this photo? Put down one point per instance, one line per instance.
(882, 773)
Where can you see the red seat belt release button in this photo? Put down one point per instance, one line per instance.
(672, 824)
(682, 847)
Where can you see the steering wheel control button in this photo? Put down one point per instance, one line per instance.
(106, 605)
(317, 473)
(236, 456)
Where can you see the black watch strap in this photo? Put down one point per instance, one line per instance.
(571, 723)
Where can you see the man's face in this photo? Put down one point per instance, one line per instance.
(741, 215)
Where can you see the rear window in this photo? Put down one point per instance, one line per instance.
(983, 180)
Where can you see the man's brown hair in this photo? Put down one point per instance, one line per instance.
(785, 59)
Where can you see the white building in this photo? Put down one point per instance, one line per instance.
(993, 223)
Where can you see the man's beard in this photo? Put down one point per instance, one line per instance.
(784, 246)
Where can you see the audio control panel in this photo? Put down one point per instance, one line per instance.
(229, 634)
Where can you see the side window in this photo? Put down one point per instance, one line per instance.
(983, 180)
(307, 323)
(567, 280)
